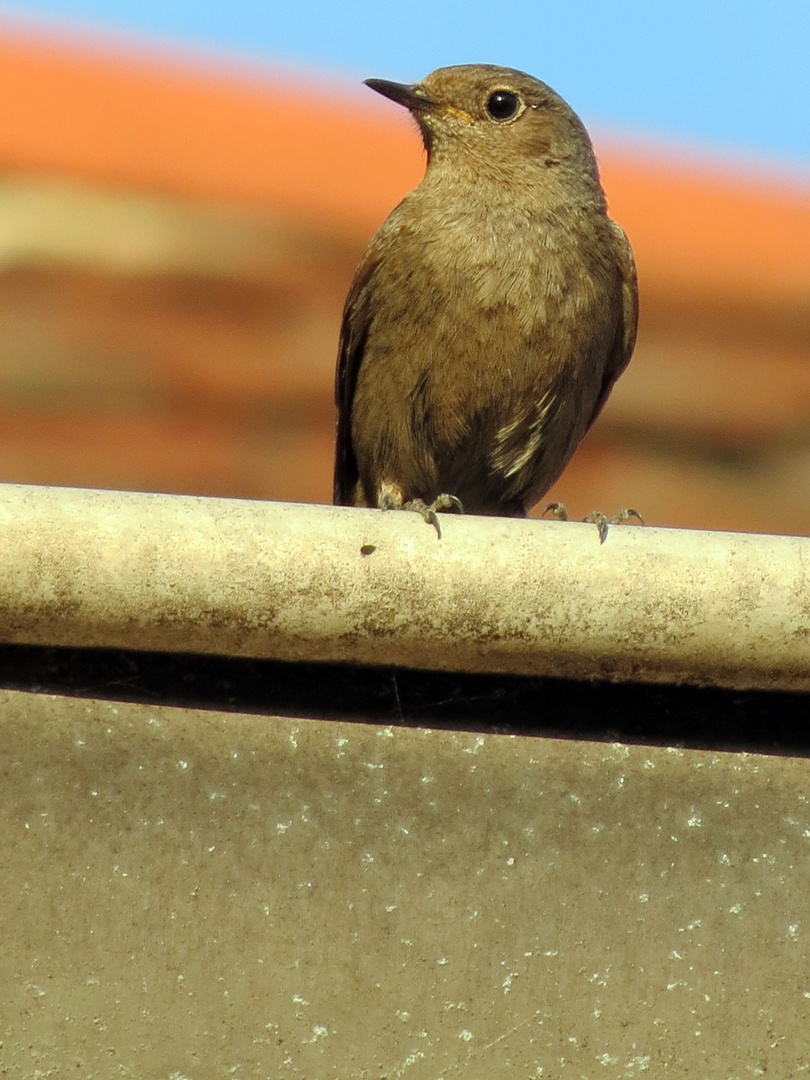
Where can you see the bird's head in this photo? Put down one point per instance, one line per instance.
(503, 120)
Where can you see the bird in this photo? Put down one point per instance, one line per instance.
(491, 314)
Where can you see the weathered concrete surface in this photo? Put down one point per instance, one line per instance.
(179, 574)
(196, 894)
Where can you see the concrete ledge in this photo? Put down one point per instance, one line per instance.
(270, 580)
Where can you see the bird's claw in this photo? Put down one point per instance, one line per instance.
(448, 502)
(430, 511)
(596, 518)
(625, 514)
(558, 510)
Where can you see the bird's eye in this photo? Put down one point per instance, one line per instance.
(502, 105)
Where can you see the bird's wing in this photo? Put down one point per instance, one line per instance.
(625, 339)
(353, 334)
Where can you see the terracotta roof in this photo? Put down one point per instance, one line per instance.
(176, 242)
(205, 132)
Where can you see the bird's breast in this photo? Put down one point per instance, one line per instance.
(502, 257)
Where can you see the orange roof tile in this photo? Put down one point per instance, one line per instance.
(152, 124)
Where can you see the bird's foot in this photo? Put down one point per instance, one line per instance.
(596, 517)
(428, 511)
(558, 510)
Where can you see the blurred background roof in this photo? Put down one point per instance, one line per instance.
(185, 190)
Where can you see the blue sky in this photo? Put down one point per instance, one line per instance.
(723, 76)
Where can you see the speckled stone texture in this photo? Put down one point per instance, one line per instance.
(199, 894)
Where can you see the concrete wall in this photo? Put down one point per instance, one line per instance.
(201, 894)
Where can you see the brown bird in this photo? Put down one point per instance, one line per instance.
(492, 312)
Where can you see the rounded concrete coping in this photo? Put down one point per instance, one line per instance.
(82, 568)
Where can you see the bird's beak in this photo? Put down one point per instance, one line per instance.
(412, 97)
